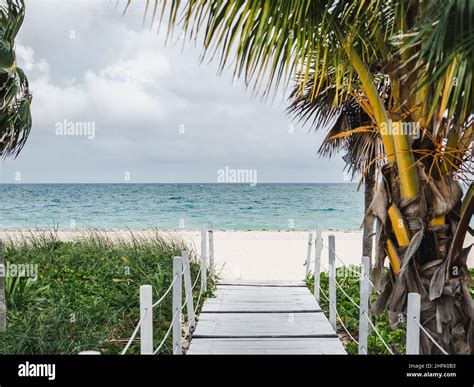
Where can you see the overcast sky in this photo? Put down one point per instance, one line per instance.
(158, 115)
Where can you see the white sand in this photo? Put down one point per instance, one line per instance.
(263, 255)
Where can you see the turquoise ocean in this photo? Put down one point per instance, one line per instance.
(186, 206)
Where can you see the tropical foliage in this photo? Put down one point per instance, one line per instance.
(15, 97)
(408, 64)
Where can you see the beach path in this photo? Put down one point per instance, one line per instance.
(263, 317)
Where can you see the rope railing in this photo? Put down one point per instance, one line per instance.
(341, 260)
(343, 325)
(181, 276)
(197, 278)
(199, 299)
(349, 268)
(372, 284)
(176, 286)
(431, 337)
(352, 270)
(340, 318)
(185, 301)
(369, 320)
(166, 335)
(166, 293)
(413, 325)
(323, 294)
(337, 313)
(347, 295)
(134, 334)
(366, 287)
(342, 290)
(185, 266)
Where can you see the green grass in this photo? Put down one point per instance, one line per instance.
(394, 337)
(86, 296)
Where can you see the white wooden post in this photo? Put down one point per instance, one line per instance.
(365, 290)
(332, 281)
(203, 260)
(188, 290)
(89, 353)
(177, 299)
(413, 330)
(146, 315)
(308, 255)
(318, 247)
(3, 301)
(211, 248)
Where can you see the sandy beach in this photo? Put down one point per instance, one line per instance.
(263, 255)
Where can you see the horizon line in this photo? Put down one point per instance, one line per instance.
(194, 183)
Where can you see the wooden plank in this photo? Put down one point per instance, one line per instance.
(264, 295)
(263, 317)
(266, 299)
(263, 325)
(262, 288)
(306, 298)
(224, 306)
(246, 346)
(263, 283)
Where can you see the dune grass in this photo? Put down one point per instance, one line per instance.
(86, 296)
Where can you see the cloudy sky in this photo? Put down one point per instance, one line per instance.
(156, 113)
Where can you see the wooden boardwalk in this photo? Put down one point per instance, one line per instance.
(264, 317)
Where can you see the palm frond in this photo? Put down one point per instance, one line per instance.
(268, 42)
(15, 97)
(339, 119)
(444, 36)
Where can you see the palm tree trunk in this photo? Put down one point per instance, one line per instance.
(427, 264)
(369, 190)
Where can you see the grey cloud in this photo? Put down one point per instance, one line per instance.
(138, 92)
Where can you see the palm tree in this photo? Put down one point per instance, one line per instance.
(363, 148)
(15, 100)
(15, 97)
(423, 51)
